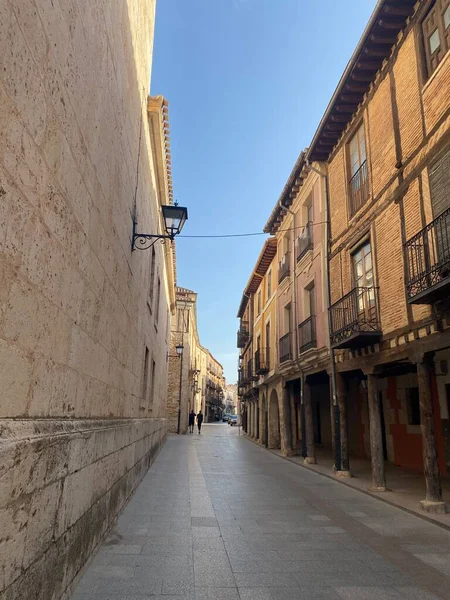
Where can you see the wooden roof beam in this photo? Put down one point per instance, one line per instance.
(334, 128)
(386, 39)
(398, 9)
(368, 65)
(351, 98)
(361, 76)
(356, 87)
(346, 108)
(375, 51)
(396, 24)
(339, 118)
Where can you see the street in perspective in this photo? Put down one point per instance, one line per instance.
(219, 517)
(224, 300)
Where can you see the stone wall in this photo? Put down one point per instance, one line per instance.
(80, 421)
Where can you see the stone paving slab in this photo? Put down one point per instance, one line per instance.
(218, 518)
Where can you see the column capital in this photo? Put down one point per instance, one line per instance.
(418, 357)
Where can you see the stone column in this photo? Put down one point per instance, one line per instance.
(310, 458)
(253, 419)
(261, 422)
(293, 423)
(341, 392)
(433, 499)
(285, 423)
(376, 440)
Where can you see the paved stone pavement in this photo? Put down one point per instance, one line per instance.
(219, 518)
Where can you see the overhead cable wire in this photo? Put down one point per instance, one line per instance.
(234, 235)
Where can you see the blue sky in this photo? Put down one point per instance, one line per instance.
(247, 82)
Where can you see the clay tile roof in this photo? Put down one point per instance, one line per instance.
(387, 21)
(263, 263)
(288, 194)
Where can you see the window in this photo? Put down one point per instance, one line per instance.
(152, 388)
(359, 183)
(152, 279)
(309, 211)
(310, 304)
(413, 405)
(269, 285)
(436, 33)
(145, 376)
(287, 318)
(284, 264)
(259, 302)
(158, 301)
(363, 279)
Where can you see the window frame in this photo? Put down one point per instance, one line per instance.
(360, 126)
(438, 8)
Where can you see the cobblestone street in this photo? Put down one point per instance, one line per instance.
(217, 517)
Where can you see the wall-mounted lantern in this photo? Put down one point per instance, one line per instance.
(174, 219)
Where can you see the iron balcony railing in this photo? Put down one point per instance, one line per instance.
(355, 320)
(427, 257)
(250, 371)
(359, 188)
(307, 334)
(305, 240)
(262, 361)
(243, 334)
(285, 348)
(284, 267)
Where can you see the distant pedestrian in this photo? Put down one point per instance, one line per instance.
(191, 421)
(199, 421)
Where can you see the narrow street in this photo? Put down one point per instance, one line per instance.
(217, 517)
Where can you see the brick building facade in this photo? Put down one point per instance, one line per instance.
(381, 162)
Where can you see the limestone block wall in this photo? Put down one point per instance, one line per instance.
(83, 356)
(173, 387)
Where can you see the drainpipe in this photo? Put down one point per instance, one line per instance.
(336, 411)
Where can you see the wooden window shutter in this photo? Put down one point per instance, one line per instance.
(439, 174)
(431, 24)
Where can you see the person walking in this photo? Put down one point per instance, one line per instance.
(191, 421)
(199, 421)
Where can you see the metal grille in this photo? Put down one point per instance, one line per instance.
(428, 256)
(284, 267)
(285, 348)
(359, 188)
(305, 240)
(356, 312)
(262, 360)
(307, 334)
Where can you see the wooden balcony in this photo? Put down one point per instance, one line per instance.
(359, 188)
(262, 361)
(285, 348)
(355, 321)
(307, 334)
(427, 256)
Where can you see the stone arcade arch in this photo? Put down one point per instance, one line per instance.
(274, 438)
